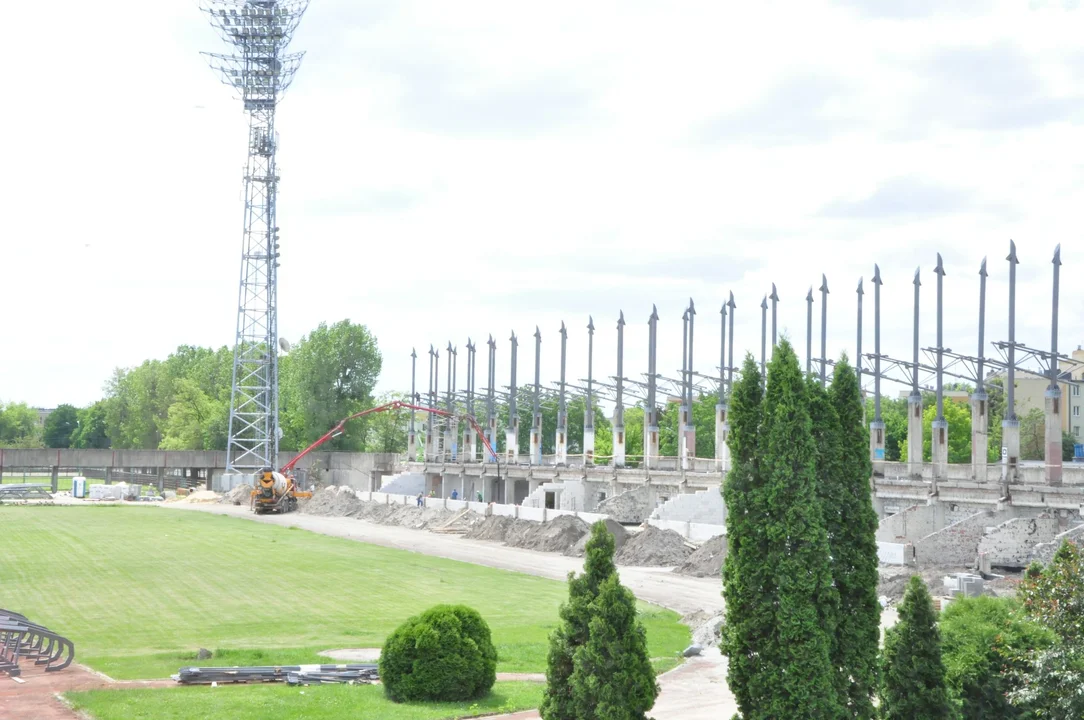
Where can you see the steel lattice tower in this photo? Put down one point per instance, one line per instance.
(260, 70)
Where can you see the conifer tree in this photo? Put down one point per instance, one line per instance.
(612, 677)
(744, 628)
(913, 685)
(852, 528)
(829, 489)
(558, 702)
(794, 675)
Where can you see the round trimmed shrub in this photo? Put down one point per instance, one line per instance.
(444, 654)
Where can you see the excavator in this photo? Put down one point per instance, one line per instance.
(276, 491)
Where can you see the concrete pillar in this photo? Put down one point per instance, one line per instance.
(980, 435)
(722, 431)
(619, 446)
(914, 435)
(451, 445)
(562, 444)
(161, 480)
(511, 447)
(651, 445)
(509, 497)
(877, 448)
(1053, 436)
(1010, 453)
(56, 478)
(588, 446)
(108, 476)
(412, 447)
(430, 446)
(536, 445)
(470, 445)
(492, 438)
(939, 450)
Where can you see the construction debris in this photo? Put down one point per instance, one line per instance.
(630, 506)
(653, 547)
(556, 535)
(616, 529)
(239, 495)
(21, 639)
(706, 560)
(292, 674)
(24, 491)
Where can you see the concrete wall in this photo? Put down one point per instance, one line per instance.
(406, 484)
(891, 553)
(503, 510)
(958, 544)
(528, 513)
(1012, 543)
(695, 532)
(703, 506)
(1044, 552)
(911, 524)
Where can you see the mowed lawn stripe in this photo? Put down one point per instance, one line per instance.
(139, 587)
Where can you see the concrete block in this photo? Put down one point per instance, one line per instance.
(891, 553)
(1012, 543)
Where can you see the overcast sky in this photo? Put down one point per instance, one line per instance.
(451, 170)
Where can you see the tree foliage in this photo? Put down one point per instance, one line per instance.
(1033, 435)
(1052, 685)
(785, 601)
(852, 526)
(19, 426)
(984, 642)
(559, 700)
(92, 432)
(61, 424)
(612, 677)
(444, 654)
(329, 374)
(744, 628)
(913, 684)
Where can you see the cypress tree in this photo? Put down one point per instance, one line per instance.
(914, 677)
(744, 628)
(613, 678)
(794, 673)
(829, 488)
(558, 701)
(852, 528)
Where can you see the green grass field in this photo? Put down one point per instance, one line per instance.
(327, 702)
(140, 589)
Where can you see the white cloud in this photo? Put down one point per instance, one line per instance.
(454, 170)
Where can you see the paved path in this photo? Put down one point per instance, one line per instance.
(37, 696)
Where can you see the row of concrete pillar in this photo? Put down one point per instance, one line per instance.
(980, 407)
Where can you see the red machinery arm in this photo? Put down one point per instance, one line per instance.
(393, 405)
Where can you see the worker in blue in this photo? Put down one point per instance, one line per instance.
(455, 494)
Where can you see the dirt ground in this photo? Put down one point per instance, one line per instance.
(37, 697)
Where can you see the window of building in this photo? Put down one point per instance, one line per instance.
(1076, 430)
(1076, 411)
(1076, 389)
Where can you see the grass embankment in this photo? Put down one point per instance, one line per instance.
(139, 590)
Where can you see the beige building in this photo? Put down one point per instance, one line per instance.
(1031, 393)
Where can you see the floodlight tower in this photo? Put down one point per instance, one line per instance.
(260, 69)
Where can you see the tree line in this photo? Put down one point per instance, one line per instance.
(182, 402)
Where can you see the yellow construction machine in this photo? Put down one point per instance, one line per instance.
(276, 492)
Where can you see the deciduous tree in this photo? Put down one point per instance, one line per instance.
(60, 426)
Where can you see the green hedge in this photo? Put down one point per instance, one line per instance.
(444, 654)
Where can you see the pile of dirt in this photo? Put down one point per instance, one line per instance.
(706, 627)
(240, 495)
(653, 547)
(631, 506)
(493, 528)
(200, 496)
(557, 535)
(334, 501)
(706, 560)
(616, 529)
